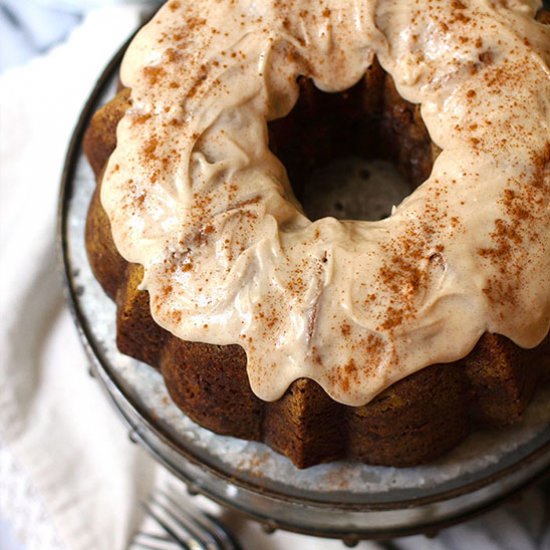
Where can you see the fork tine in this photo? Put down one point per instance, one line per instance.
(196, 515)
(224, 532)
(211, 524)
(187, 521)
(154, 546)
(145, 546)
(187, 527)
(151, 541)
(169, 529)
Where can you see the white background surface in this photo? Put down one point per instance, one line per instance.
(8, 540)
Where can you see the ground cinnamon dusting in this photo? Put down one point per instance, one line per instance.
(204, 170)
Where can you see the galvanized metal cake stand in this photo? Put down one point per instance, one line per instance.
(344, 500)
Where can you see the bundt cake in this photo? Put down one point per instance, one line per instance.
(382, 341)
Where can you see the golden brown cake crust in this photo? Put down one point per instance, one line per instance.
(414, 421)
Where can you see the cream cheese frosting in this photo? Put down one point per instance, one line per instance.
(195, 195)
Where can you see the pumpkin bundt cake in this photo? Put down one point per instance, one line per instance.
(383, 341)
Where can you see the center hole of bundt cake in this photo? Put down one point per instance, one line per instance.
(353, 154)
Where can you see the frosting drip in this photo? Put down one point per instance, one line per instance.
(194, 194)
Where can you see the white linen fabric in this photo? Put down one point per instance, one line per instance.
(31, 27)
(53, 421)
(69, 477)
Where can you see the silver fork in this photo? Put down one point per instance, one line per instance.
(181, 527)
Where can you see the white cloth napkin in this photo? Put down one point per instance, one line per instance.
(54, 421)
(30, 27)
(69, 477)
